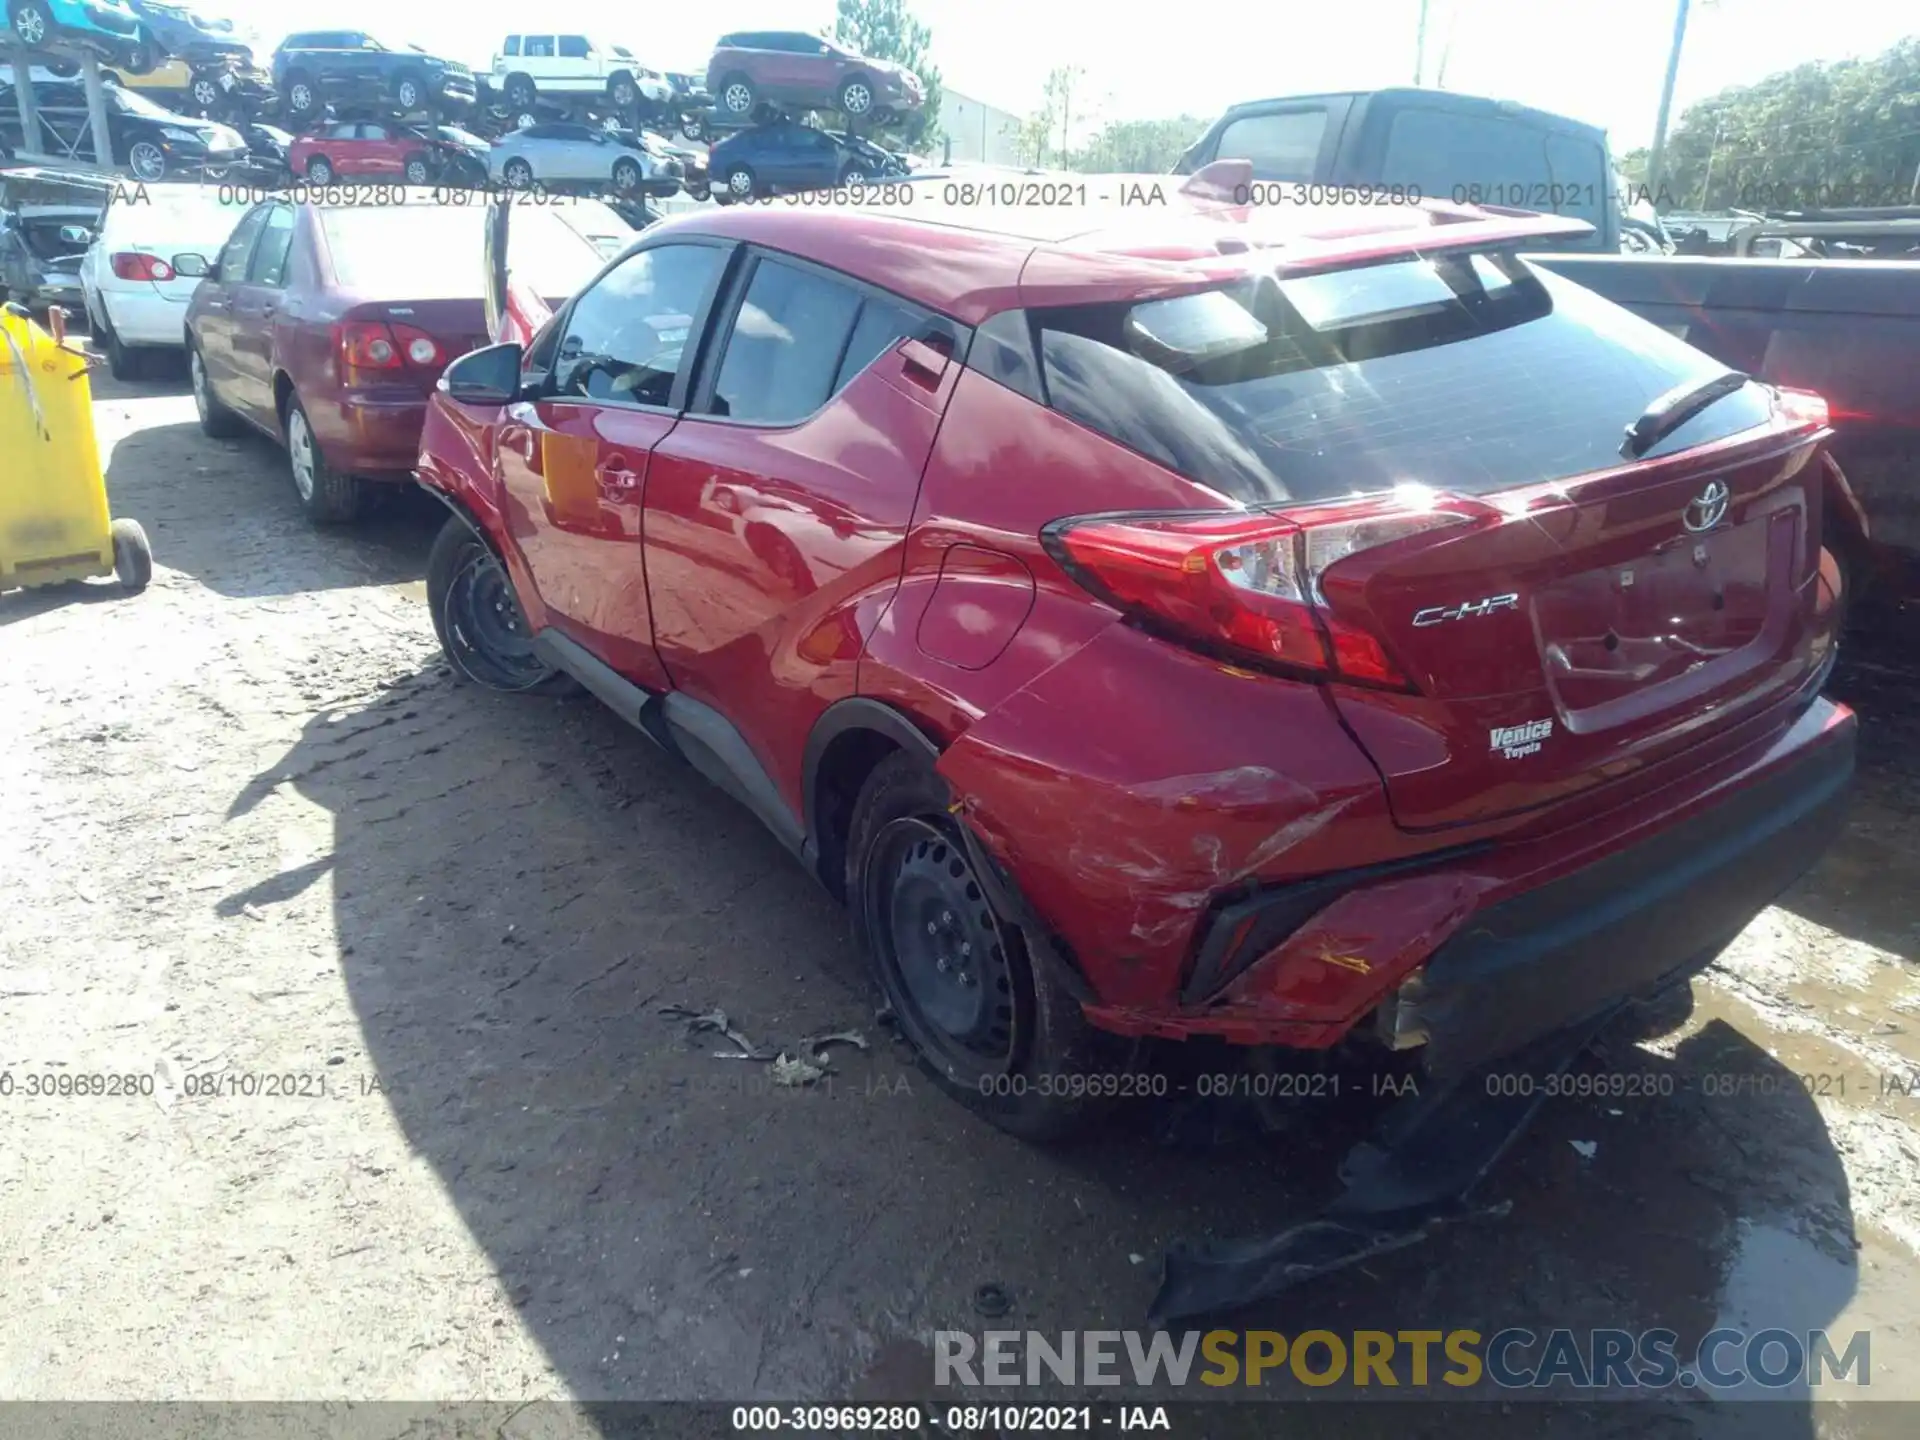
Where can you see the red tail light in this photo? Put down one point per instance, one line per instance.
(1246, 584)
(135, 265)
(370, 345)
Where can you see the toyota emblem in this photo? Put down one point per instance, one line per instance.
(1708, 508)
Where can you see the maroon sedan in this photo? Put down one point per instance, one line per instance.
(326, 327)
(1297, 628)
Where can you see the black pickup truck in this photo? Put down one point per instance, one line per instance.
(1848, 330)
(349, 67)
(1436, 144)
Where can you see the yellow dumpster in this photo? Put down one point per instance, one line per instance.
(54, 524)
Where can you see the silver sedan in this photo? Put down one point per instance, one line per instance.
(569, 154)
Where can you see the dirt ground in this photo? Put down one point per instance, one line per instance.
(251, 828)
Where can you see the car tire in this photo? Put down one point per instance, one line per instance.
(856, 97)
(319, 170)
(217, 422)
(410, 93)
(303, 100)
(518, 174)
(907, 865)
(205, 93)
(132, 556)
(520, 93)
(477, 616)
(32, 24)
(142, 58)
(855, 175)
(627, 176)
(123, 363)
(692, 127)
(328, 497)
(738, 97)
(623, 92)
(147, 160)
(740, 184)
(418, 171)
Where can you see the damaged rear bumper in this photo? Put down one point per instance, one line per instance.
(1515, 941)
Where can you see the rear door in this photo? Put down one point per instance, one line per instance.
(782, 499)
(537, 54)
(577, 462)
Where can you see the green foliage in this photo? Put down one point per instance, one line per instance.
(1846, 133)
(887, 30)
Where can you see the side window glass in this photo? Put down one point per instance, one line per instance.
(1284, 146)
(628, 338)
(783, 355)
(540, 47)
(269, 263)
(513, 45)
(573, 47)
(1447, 154)
(881, 324)
(233, 255)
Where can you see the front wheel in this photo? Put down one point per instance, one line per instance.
(990, 1023)
(418, 171)
(739, 183)
(409, 93)
(132, 556)
(478, 617)
(302, 99)
(206, 94)
(141, 59)
(217, 422)
(692, 127)
(319, 171)
(739, 98)
(518, 174)
(856, 97)
(623, 92)
(627, 176)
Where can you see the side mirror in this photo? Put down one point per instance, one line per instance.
(489, 377)
(75, 235)
(191, 267)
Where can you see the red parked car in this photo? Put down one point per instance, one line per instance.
(394, 154)
(1295, 628)
(325, 327)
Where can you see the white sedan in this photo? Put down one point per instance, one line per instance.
(136, 298)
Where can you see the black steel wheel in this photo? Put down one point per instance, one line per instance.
(478, 617)
(991, 1023)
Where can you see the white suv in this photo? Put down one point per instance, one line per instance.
(531, 66)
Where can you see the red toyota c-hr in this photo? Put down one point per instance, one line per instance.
(1294, 629)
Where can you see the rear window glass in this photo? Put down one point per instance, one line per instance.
(1470, 373)
(422, 252)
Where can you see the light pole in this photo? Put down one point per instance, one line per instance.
(1657, 155)
(1420, 45)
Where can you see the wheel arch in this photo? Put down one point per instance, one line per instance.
(848, 740)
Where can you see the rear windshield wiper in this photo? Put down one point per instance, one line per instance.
(1673, 409)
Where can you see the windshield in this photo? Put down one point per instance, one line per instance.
(131, 104)
(415, 252)
(1468, 373)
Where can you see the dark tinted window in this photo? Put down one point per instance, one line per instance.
(628, 338)
(269, 263)
(513, 45)
(881, 324)
(233, 255)
(573, 47)
(783, 356)
(1463, 374)
(1507, 160)
(1284, 145)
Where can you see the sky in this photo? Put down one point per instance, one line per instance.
(1600, 61)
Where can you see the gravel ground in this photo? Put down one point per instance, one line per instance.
(416, 939)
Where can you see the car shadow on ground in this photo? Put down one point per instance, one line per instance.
(226, 513)
(521, 885)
